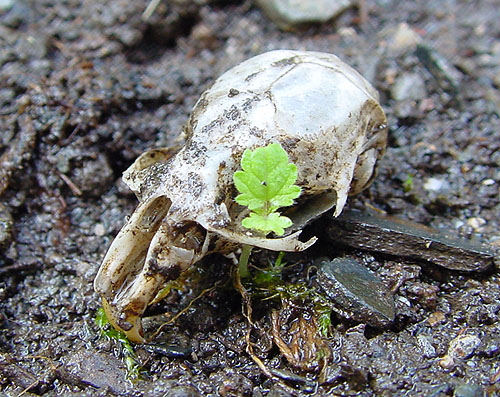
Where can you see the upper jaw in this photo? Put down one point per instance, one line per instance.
(147, 252)
(127, 253)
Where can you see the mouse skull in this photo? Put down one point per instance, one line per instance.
(323, 113)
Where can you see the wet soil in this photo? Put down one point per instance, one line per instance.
(86, 86)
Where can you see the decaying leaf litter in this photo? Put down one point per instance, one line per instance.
(99, 92)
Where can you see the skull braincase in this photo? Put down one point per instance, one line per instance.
(324, 114)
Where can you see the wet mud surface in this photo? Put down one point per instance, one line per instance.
(87, 86)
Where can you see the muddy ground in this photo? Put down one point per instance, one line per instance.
(86, 86)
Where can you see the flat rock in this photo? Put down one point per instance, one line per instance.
(102, 371)
(468, 390)
(394, 236)
(357, 293)
(6, 5)
(290, 14)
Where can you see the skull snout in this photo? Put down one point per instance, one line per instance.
(148, 251)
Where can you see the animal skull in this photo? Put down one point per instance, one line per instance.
(324, 114)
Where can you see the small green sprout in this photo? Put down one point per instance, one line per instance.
(134, 369)
(271, 275)
(324, 313)
(266, 183)
(408, 184)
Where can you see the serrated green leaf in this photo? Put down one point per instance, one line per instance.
(266, 183)
(267, 178)
(264, 160)
(253, 194)
(273, 222)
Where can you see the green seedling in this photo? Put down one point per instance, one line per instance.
(134, 369)
(265, 183)
(324, 313)
(272, 274)
(408, 184)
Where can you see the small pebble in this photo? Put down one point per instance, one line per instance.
(426, 105)
(461, 348)
(404, 301)
(428, 351)
(476, 222)
(403, 39)
(409, 86)
(424, 293)
(347, 32)
(436, 318)
(99, 229)
(436, 185)
(464, 346)
(447, 362)
(6, 223)
(290, 14)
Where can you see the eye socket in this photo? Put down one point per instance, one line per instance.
(189, 235)
(156, 210)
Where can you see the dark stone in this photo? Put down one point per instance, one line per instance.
(102, 371)
(468, 390)
(170, 351)
(390, 235)
(357, 293)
